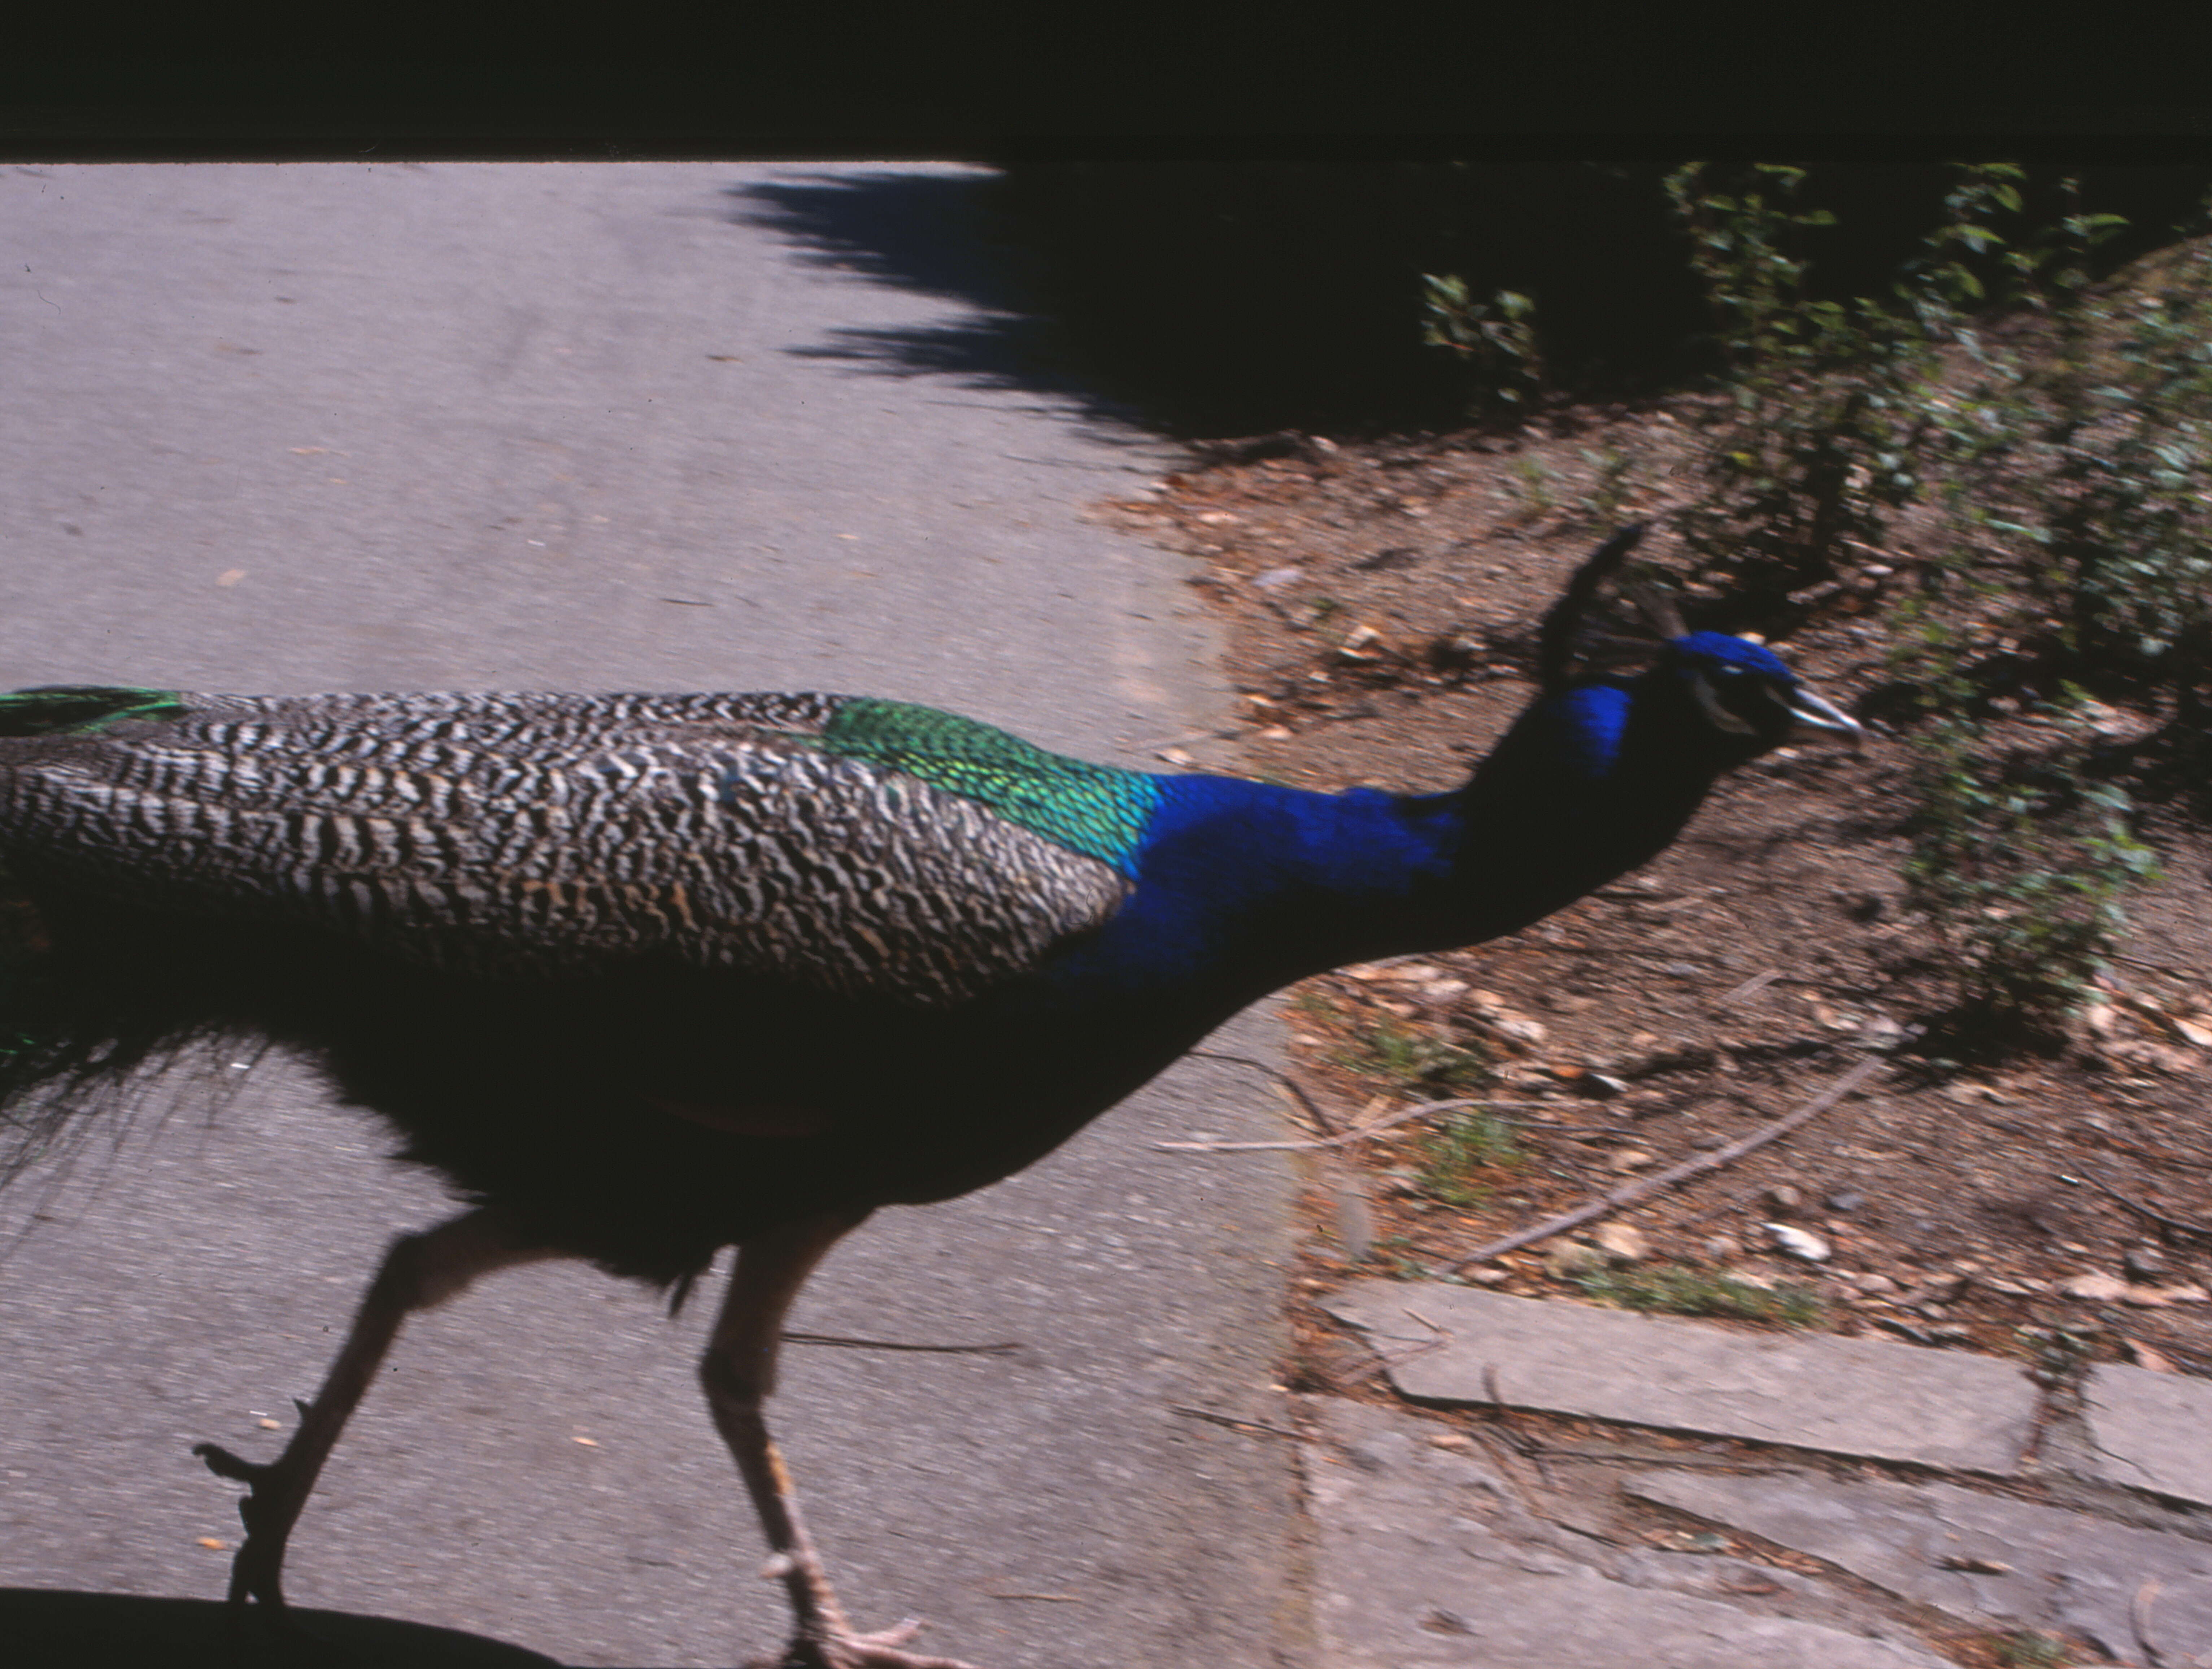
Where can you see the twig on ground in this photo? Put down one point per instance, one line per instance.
(1630, 1192)
(2180, 1225)
(1519, 1441)
(1188, 737)
(1756, 983)
(1237, 1424)
(1384, 1363)
(2139, 1621)
(2151, 967)
(1343, 1138)
(1321, 1122)
(839, 1339)
(2157, 1016)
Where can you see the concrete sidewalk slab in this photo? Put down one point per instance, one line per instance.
(1845, 1396)
(2143, 1596)
(1426, 1560)
(2149, 1430)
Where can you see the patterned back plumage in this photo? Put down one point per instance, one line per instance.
(860, 847)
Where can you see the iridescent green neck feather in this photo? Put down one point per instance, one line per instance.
(66, 708)
(1094, 810)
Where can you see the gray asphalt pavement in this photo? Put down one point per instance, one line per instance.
(308, 428)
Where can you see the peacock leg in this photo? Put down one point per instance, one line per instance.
(418, 1272)
(739, 1372)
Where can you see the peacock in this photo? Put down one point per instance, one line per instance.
(633, 972)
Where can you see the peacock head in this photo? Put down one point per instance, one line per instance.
(1743, 690)
(1731, 698)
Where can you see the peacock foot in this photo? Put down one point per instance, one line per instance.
(842, 1649)
(268, 1509)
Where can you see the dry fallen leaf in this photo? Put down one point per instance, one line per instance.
(2146, 1357)
(215, 1544)
(230, 576)
(2097, 1287)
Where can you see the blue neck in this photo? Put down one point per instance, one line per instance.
(1249, 886)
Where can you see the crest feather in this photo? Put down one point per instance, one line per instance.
(1581, 633)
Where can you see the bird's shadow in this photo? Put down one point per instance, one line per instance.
(57, 1628)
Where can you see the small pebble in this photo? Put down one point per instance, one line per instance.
(1567, 1260)
(2143, 1263)
(1801, 1243)
(1624, 1243)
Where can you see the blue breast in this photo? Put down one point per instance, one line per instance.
(1220, 854)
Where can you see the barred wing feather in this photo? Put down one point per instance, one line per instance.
(541, 835)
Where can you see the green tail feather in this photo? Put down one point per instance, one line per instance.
(58, 709)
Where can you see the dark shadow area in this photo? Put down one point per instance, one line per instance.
(51, 1629)
(944, 235)
(1238, 297)
(934, 233)
(1243, 297)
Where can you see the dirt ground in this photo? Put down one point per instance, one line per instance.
(1382, 601)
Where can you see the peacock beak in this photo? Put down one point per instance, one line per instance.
(1810, 711)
